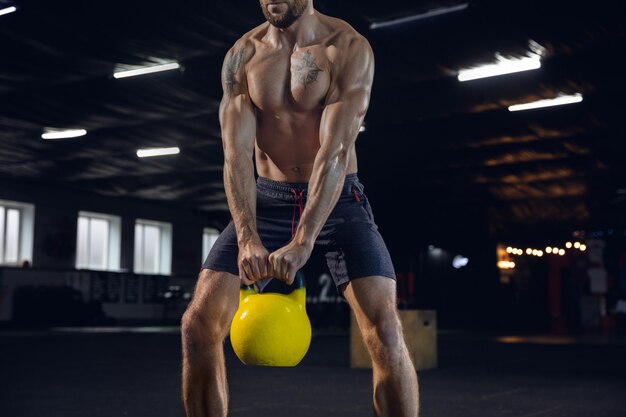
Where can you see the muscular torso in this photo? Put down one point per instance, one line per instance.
(288, 86)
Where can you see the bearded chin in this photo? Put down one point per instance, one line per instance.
(291, 15)
(282, 22)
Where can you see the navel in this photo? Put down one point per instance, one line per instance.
(295, 169)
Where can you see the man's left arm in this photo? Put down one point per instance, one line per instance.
(345, 108)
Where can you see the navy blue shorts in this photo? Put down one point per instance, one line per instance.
(349, 240)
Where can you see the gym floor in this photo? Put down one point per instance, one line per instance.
(119, 372)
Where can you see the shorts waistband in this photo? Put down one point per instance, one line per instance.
(287, 187)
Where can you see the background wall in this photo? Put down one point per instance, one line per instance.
(56, 214)
(422, 237)
(565, 295)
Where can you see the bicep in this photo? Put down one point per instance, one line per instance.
(342, 119)
(236, 114)
(238, 123)
(348, 99)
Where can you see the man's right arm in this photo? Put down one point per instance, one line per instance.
(238, 123)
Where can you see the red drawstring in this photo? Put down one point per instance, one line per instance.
(293, 220)
(296, 200)
(356, 196)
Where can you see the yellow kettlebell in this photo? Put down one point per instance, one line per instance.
(271, 329)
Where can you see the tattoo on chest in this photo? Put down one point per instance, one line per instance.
(306, 70)
(231, 68)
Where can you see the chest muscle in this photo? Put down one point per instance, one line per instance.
(279, 81)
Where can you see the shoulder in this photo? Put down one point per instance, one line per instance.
(245, 46)
(357, 47)
(346, 42)
(351, 57)
(344, 34)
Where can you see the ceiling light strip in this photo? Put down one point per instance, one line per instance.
(147, 70)
(412, 18)
(146, 153)
(561, 100)
(64, 134)
(7, 10)
(502, 67)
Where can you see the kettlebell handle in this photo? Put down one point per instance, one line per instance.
(298, 282)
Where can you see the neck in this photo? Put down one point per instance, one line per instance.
(301, 33)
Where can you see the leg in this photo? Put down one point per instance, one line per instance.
(373, 300)
(205, 325)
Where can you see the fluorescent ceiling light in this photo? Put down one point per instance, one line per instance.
(428, 14)
(147, 70)
(575, 98)
(63, 134)
(8, 10)
(503, 66)
(145, 153)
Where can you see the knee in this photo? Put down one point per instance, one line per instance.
(193, 332)
(200, 332)
(207, 319)
(384, 339)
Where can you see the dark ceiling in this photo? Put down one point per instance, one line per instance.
(437, 139)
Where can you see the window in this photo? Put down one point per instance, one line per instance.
(153, 247)
(9, 234)
(209, 236)
(98, 242)
(16, 232)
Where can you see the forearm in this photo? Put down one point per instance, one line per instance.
(325, 185)
(240, 187)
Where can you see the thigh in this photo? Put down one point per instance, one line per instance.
(216, 297)
(224, 252)
(357, 250)
(372, 299)
(351, 242)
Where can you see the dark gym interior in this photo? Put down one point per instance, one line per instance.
(507, 229)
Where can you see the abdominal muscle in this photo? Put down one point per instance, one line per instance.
(286, 149)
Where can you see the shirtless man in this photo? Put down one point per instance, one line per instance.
(296, 90)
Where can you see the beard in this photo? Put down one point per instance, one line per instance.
(294, 11)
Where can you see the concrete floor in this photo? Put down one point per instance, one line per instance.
(67, 374)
